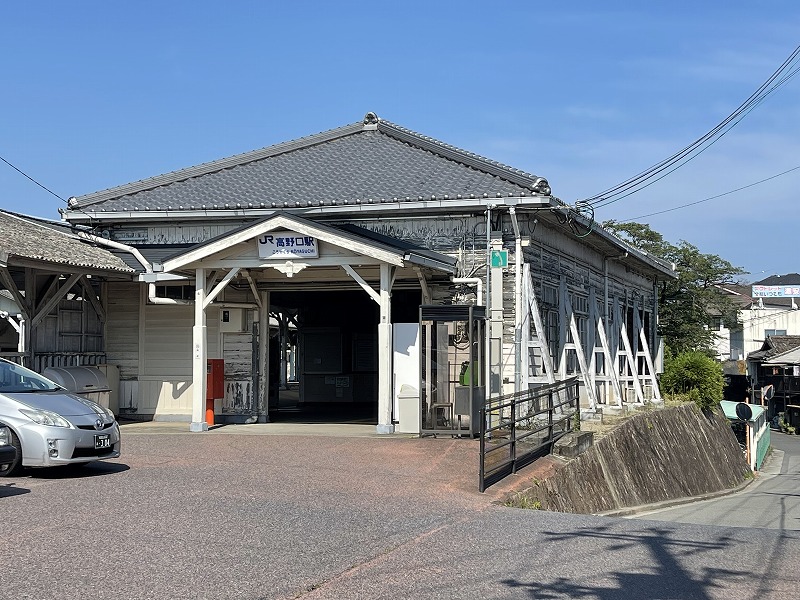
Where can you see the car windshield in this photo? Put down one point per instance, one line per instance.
(14, 378)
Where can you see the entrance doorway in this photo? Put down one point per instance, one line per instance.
(332, 376)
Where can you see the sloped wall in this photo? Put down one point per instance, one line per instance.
(652, 457)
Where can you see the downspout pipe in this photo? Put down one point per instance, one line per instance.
(151, 288)
(488, 324)
(118, 246)
(517, 300)
(476, 281)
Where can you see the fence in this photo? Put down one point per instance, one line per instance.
(42, 360)
(518, 428)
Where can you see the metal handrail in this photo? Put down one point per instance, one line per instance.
(557, 423)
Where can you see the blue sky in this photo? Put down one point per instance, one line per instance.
(588, 94)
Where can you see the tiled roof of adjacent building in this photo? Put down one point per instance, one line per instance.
(370, 161)
(776, 345)
(34, 239)
(788, 279)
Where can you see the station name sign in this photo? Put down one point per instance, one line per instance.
(287, 245)
(776, 291)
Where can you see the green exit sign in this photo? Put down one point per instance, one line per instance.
(499, 259)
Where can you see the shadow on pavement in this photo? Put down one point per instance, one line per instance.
(94, 469)
(10, 489)
(669, 578)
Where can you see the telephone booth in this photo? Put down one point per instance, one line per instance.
(452, 368)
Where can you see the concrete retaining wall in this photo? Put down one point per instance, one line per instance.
(652, 457)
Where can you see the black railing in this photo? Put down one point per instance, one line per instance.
(518, 428)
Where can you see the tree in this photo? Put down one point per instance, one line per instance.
(689, 304)
(695, 376)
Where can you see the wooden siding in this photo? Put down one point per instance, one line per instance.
(168, 341)
(165, 396)
(556, 256)
(122, 329)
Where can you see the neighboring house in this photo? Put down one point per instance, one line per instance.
(52, 288)
(776, 364)
(346, 234)
(759, 317)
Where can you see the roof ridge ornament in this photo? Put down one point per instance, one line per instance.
(371, 121)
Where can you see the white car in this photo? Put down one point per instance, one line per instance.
(51, 426)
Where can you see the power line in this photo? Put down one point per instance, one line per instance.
(21, 172)
(739, 189)
(779, 77)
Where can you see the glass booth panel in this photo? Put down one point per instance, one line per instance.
(452, 369)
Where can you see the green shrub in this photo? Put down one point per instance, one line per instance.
(695, 376)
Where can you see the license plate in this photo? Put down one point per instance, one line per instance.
(101, 442)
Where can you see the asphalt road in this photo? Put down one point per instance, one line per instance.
(772, 501)
(260, 516)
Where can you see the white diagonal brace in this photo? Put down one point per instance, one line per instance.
(651, 370)
(253, 288)
(544, 347)
(220, 286)
(360, 281)
(610, 364)
(623, 332)
(650, 366)
(576, 339)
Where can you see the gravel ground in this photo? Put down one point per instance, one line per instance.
(260, 516)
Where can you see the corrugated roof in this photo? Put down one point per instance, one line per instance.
(370, 161)
(31, 239)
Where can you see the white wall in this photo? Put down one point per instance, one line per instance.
(755, 322)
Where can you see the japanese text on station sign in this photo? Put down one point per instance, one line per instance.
(287, 244)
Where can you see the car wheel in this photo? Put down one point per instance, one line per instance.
(15, 468)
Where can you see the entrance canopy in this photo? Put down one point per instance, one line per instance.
(287, 249)
(289, 244)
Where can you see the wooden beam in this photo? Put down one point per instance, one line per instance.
(367, 288)
(8, 281)
(423, 283)
(220, 286)
(43, 311)
(88, 294)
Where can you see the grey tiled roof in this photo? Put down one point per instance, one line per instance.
(33, 239)
(365, 162)
(775, 345)
(788, 279)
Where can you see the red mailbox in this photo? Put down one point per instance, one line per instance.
(215, 385)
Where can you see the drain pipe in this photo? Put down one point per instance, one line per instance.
(151, 287)
(116, 245)
(517, 301)
(476, 281)
(487, 329)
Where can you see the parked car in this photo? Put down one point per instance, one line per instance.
(8, 453)
(50, 426)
